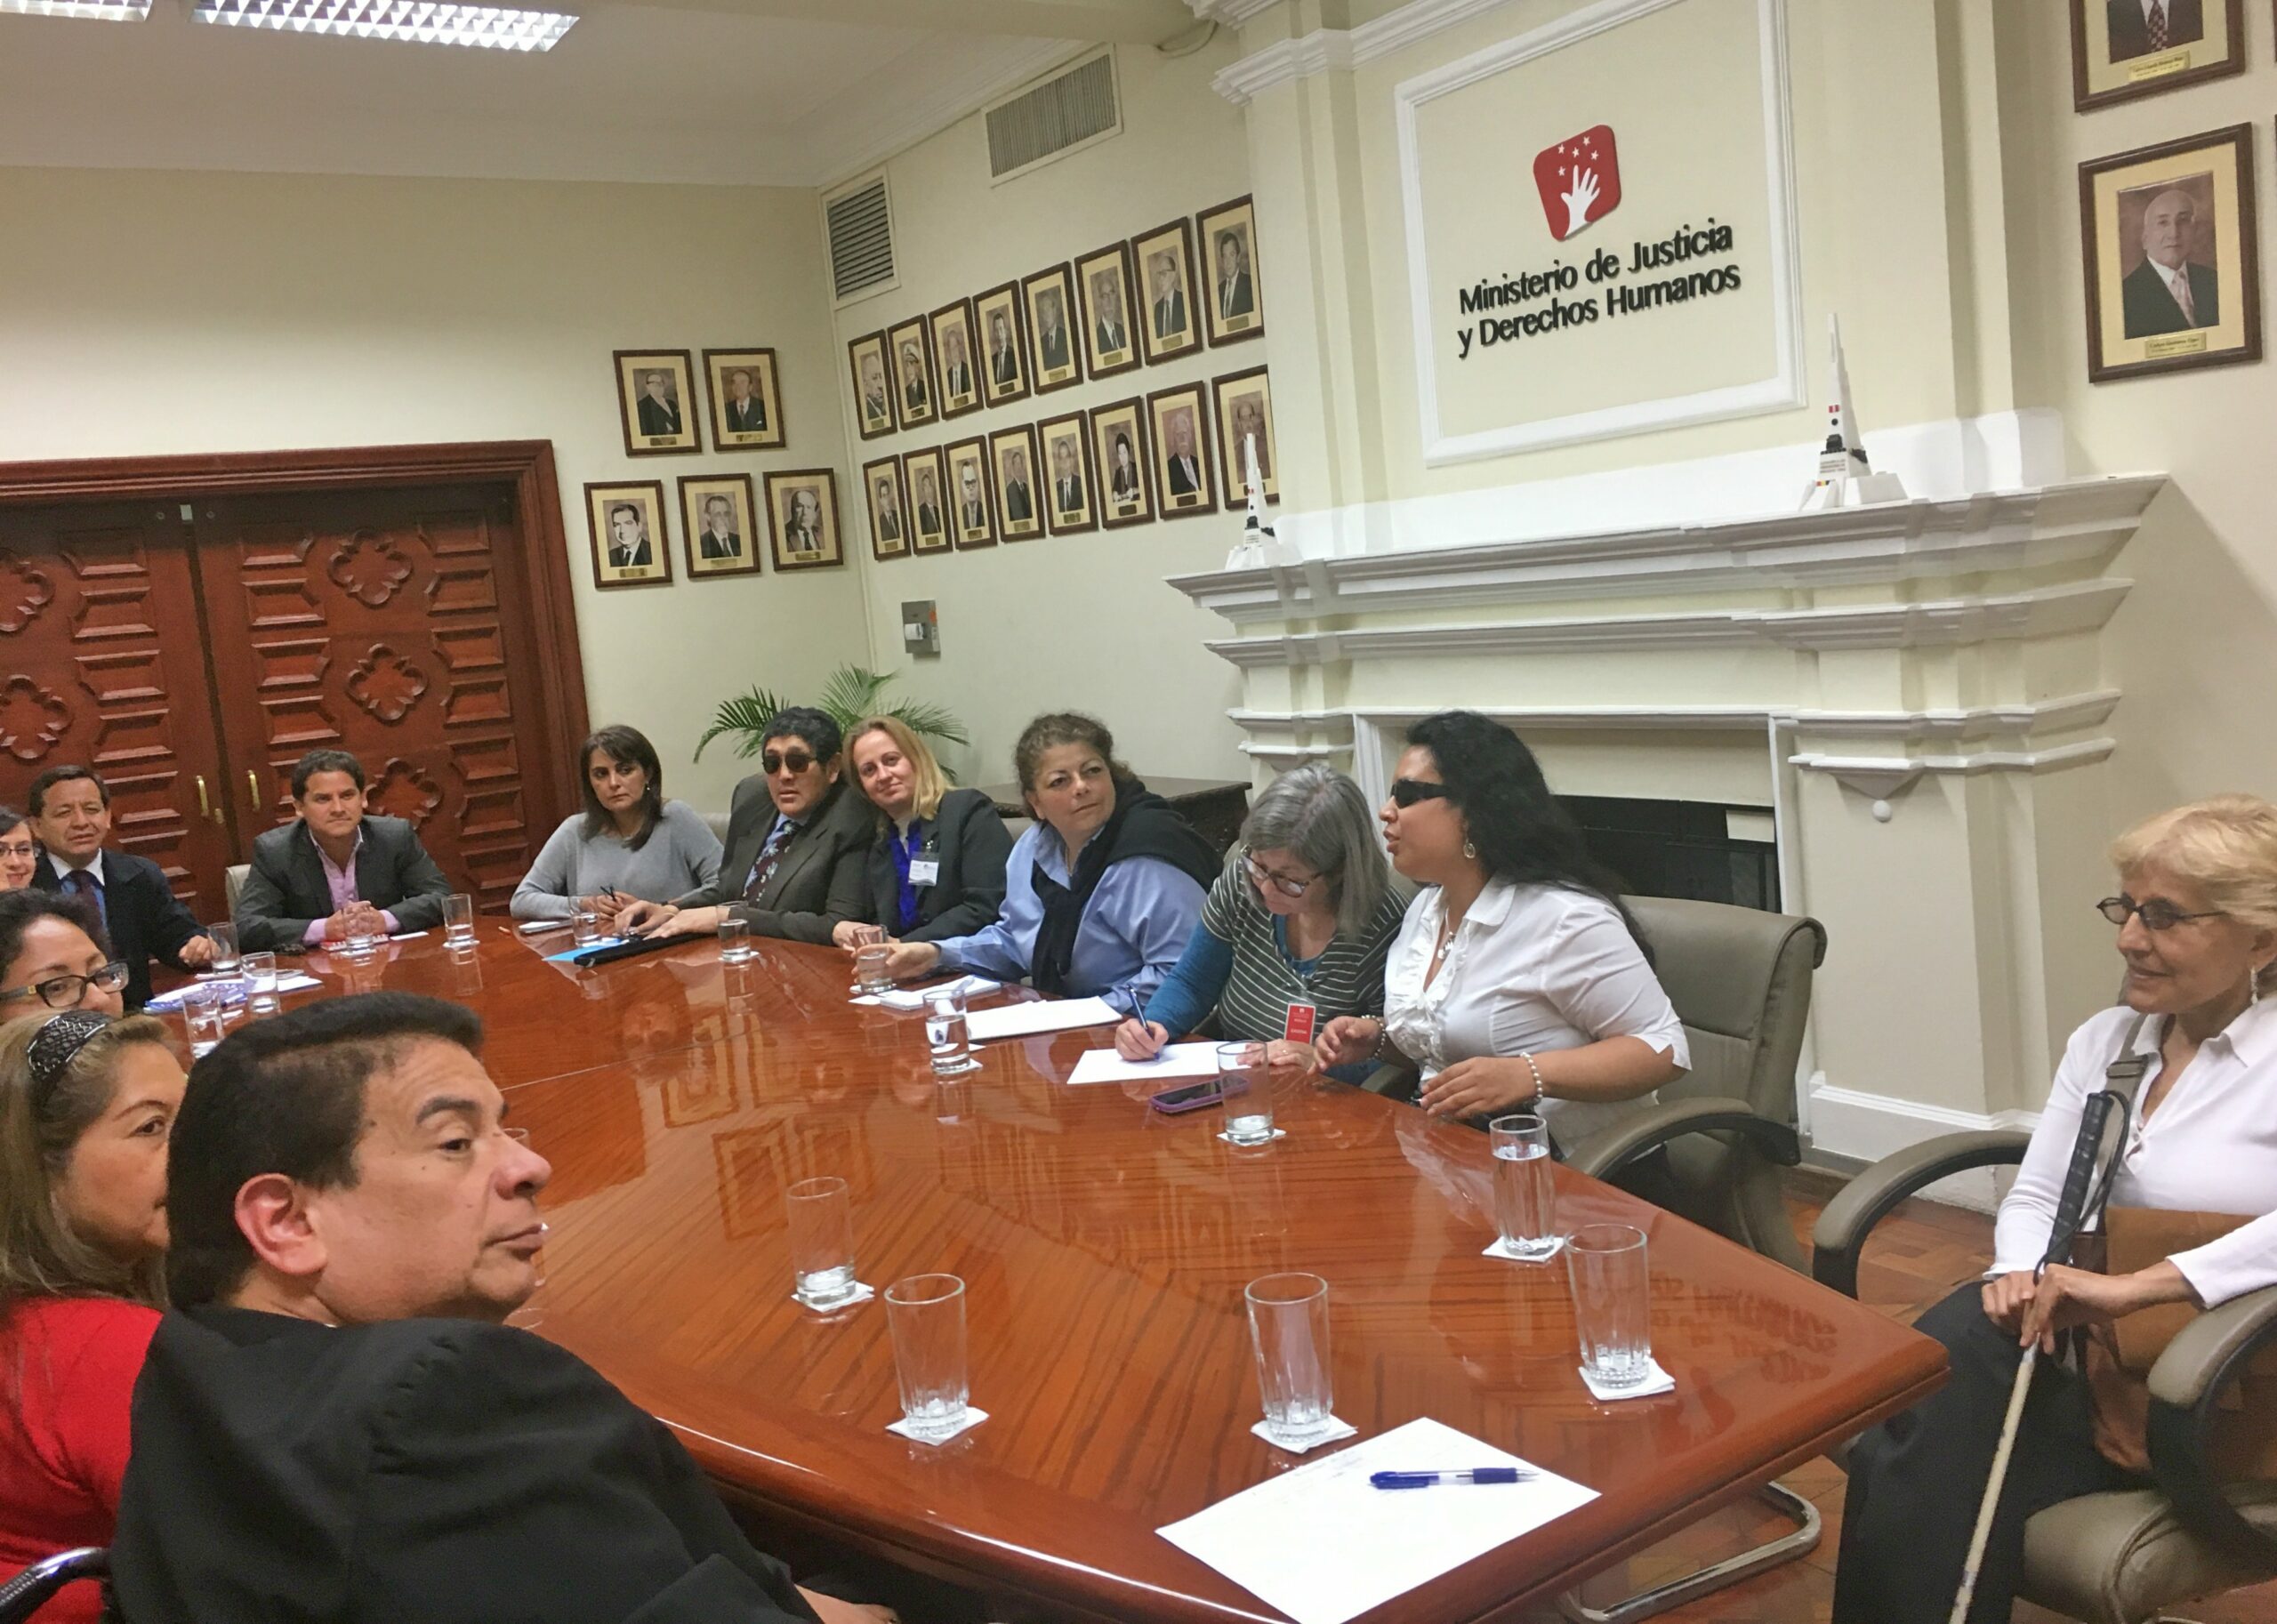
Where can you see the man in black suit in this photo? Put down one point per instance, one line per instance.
(1112, 336)
(2169, 291)
(746, 411)
(972, 512)
(2138, 28)
(721, 538)
(929, 504)
(1170, 298)
(70, 813)
(956, 371)
(628, 537)
(877, 410)
(333, 1424)
(1185, 468)
(802, 537)
(797, 840)
(1020, 500)
(1066, 479)
(1051, 316)
(336, 866)
(1235, 296)
(1003, 357)
(659, 410)
(914, 397)
(889, 512)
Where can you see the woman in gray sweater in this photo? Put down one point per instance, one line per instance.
(629, 845)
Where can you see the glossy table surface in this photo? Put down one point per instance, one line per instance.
(1104, 1247)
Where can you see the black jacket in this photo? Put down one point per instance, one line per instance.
(2148, 307)
(968, 840)
(286, 890)
(444, 1471)
(141, 915)
(817, 883)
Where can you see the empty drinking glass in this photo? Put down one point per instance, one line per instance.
(262, 997)
(1248, 1086)
(458, 920)
(201, 1019)
(870, 977)
(1612, 1302)
(734, 940)
(1526, 1200)
(586, 928)
(947, 1032)
(821, 1221)
(1287, 1325)
(925, 1314)
(225, 950)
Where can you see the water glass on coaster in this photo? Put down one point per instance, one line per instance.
(1246, 1081)
(1525, 1193)
(262, 997)
(820, 1215)
(201, 1019)
(225, 951)
(1612, 1303)
(1288, 1327)
(734, 940)
(947, 1032)
(870, 977)
(925, 1313)
(363, 938)
(584, 928)
(458, 920)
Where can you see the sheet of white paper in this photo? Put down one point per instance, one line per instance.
(231, 990)
(1176, 1060)
(1322, 1545)
(914, 997)
(1021, 1020)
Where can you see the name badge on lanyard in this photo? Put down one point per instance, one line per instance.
(1299, 1026)
(924, 871)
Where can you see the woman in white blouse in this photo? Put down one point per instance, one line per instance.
(2196, 918)
(1517, 981)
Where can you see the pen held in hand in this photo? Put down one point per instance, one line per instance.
(1430, 1480)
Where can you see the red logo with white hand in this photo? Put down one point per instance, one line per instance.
(1579, 179)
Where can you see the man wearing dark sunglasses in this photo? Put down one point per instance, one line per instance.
(797, 841)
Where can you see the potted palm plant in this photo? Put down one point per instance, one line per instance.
(850, 694)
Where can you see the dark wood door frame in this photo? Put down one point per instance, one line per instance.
(527, 464)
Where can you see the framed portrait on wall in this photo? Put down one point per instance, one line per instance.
(865, 359)
(1119, 447)
(803, 504)
(1110, 332)
(1184, 482)
(1232, 298)
(2122, 48)
(626, 525)
(2173, 278)
(916, 390)
(719, 525)
(1003, 353)
(1245, 413)
(1055, 353)
(953, 348)
(889, 505)
(1165, 261)
(973, 520)
(1070, 488)
(746, 399)
(1019, 506)
(655, 402)
(927, 487)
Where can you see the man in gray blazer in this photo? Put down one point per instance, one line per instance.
(797, 839)
(336, 866)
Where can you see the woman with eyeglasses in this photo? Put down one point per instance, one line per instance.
(1518, 982)
(629, 845)
(1293, 935)
(936, 869)
(19, 850)
(53, 956)
(2196, 918)
(86, 1104)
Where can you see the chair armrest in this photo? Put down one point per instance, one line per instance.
(1605, 1152)
(1843, 1227)
(2189, 1377)
(24, 1592)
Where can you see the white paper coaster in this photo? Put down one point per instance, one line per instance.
(1335, 1430)
(1656, 1381)
(862, 1294)
(1501, 1249)
(1278, 1133)
(972, 1418)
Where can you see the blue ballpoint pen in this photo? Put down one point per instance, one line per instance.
(1426, 1480)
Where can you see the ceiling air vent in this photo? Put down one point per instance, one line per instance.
(860, 225)
(1070, 110)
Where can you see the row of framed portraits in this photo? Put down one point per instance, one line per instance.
(2123, 49)
(1136, 302)
(656, 401)
(1125, 463)
(723, 531)
(2171, 251)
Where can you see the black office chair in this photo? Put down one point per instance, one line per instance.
(28, 1591)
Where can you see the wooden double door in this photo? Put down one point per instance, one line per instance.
(190, 651)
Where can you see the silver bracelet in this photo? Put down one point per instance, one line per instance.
(1540, 1087)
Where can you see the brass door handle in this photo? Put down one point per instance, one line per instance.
(253, 787)
(204, 802)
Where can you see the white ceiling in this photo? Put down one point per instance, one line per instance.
(719, 92)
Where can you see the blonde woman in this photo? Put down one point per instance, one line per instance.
(86, 1104)
(937, 869)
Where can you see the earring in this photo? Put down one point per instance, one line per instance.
(1470, 851)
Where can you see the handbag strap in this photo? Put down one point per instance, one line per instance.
(2098, 1151)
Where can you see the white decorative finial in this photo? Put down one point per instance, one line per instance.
(1845, 478)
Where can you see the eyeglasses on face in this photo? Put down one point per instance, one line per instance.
(792, 761)
(1407, 791)
(1263, 876)
(17, 849)
(64, 991)
(2156, 914)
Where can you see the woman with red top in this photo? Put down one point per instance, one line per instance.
(85, 1105)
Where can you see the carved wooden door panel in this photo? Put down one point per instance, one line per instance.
(102, 663)
(370, 621)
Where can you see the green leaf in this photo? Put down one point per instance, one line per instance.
(747, 714)
(850, 694)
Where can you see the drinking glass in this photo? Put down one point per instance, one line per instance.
(458, 920)
(821, 1220)
(1612, 1302)
(1526, 1200)
(1287, 1325)
(262, 997)
(362, 940)
(201, 1019)
(1248, 1086)
(946, 1030)
(225, 950)
(735, 941)
(585, 928)
(870, 977)
(926, 1315)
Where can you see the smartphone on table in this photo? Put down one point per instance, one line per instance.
(1196, 1098)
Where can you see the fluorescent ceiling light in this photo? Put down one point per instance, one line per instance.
(114, 10)
(496, 27)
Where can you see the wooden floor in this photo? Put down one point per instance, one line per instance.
(1919, 1253)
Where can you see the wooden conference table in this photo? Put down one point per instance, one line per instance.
(1104, 1247)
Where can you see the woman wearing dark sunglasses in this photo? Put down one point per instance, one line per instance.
(1518, 982)
(53, 956)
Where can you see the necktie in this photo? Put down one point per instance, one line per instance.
(2181, 285)
(769, 854)
(85, 885)
(2157, 28)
